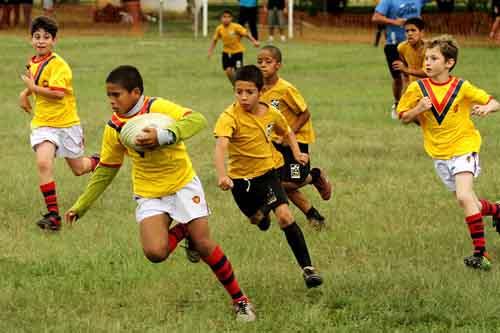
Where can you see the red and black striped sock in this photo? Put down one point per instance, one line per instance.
(49, 194)
(476, 230)
(488, 208)
(222, 268)
(175, 235)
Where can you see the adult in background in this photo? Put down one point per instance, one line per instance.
(248, 14)
(275, 10)
(495, 12)
(393, 14)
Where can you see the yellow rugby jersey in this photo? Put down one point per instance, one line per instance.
(250, 147)
(414, 58)
(54, 73)
(447, 127)
(231, 37)
(287, 99)
(155, 173)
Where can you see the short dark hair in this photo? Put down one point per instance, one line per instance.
(448, 47)
(250, 73)
(46, 23)
(226, 11)
(416, 21)
(126, 76)
(275, 52)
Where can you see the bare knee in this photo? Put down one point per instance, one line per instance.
(156, 254)
(44, 166)
(284, 216)
(78, 171)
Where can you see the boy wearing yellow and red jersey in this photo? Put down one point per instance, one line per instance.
(232, 53)
(165, 185)
(287, 99)
(442, 104)
(55, 126)
(243, 132)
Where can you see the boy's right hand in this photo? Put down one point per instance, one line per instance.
(70, 216)
(225, 183)
(24, 102)
(424, 104)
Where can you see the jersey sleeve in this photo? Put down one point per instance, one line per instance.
(241, 30)
(170, 109)
(60, 77)
(281, 126)
(410, 98)
(294, 100)
(112, 151)
(475, 94)
(383, 7)
(225, 126)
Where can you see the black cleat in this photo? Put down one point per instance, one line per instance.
(311, 277)
(50, 221)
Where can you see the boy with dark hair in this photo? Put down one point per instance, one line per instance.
(243, 132)
(166, 187)
(55, 125)
(232, 53)
(411, 51)
(287, 99)
(442, 104)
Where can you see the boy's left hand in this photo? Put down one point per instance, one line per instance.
(480, 110)
(256, 44)
(28, 80)
(398, 65)
(148, 138)
(303, 158)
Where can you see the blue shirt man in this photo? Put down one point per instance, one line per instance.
(402, 9)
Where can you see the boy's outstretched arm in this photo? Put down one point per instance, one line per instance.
(212, 47)
(98, 182)
(223, 181)
(483, 110)
(253, 40)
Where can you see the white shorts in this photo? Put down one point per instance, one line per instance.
(183, 206)
(447, 169)
(68, 140)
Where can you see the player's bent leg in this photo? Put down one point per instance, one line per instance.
(230, 74)
(155, 238)
(297, 243)
(314, 218)
(83, 165)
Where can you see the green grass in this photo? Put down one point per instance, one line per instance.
(391, 256)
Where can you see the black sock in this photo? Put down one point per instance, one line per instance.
(313, 213)
(315, 173)
(297, 243)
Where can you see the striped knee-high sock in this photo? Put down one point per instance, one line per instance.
(488, 208)
(175, 235)
(223, 270)
(476, 230)
(49, 194)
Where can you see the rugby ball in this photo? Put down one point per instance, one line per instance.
(134, 127)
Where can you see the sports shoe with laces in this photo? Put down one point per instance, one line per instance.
(311, 277)
(316, 220)
(244, 311)
(50, 221)
(394, 112)
(322, 184)
(192, 253)
(478, 262)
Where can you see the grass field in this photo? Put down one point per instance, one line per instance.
(391, 255)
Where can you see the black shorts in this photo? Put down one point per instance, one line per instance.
(264, 192)
(232, 60)
(392, 54)
(292, 171)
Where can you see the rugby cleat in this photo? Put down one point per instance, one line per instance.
(50, 221)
